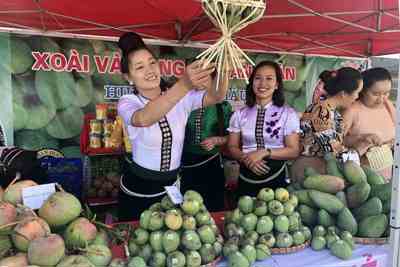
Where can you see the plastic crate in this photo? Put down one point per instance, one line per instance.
(97, 184)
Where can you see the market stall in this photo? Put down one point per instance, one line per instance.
(295, 31)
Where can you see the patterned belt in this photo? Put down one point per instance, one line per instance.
(177, 183)
(201, 163)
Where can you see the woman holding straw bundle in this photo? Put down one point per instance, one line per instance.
(264, 134)
(155, 118)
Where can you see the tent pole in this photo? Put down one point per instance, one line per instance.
(395, 203)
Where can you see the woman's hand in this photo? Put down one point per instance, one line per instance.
(259, 167)
(373, 139)
(257, 155)
(210, 143)
(198, 76)
(362, 146)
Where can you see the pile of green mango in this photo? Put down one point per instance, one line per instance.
(262, 223)
(340, 243)
(176, 235)
(349, 197)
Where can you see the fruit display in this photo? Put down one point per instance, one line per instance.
(340, 243)
(350, 197)
(57, 235)
(176, 235)
(105, 175)
(261, 225)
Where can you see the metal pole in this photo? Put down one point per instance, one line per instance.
(394, 260)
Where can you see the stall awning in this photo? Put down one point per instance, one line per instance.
(340, 27)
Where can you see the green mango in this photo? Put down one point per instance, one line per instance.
(136, 262)
(281, 224)
(237, 259)
(250, 253)
(318, 243)
(341, 250)
(264, 225)
(158, 259)
(156, 240)
(262, 252)
(170, 241)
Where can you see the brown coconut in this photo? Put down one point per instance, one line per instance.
(13, 193)
(46, 251)
(27, 230)
(8, 214)
(60, 209)
(79, 233)
(18, 260)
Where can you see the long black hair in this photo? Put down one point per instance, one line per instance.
(345, 79)
(278, 98)
(131, 42)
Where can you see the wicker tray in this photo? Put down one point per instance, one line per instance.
(371, 241)
(291, 249)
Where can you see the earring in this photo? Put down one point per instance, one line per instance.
(130, 82)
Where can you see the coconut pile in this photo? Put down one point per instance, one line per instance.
(56, 235)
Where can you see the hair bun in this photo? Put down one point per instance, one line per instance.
(129, 41)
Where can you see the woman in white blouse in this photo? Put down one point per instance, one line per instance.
(263, 134)
(155, 119)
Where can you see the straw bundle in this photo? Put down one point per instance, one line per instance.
(230, 16)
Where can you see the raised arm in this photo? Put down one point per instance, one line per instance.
(158, 107)
(214, 96)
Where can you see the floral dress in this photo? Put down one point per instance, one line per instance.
(322, 130)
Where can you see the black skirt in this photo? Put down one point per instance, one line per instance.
(141, 181)
(207, 179)
(252, 189)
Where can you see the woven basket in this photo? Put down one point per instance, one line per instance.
(291, 249)
(380, 157)
(371, 241)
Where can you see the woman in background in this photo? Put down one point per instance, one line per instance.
(319, 91)
(370, 121)
(322, 123)
(202, 160)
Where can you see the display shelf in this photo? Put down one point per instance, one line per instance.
(84, 141)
